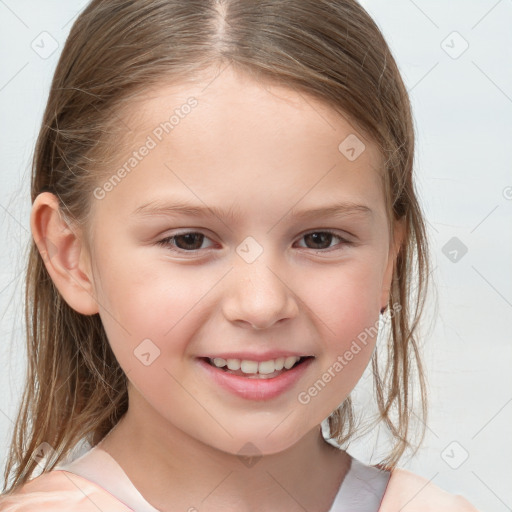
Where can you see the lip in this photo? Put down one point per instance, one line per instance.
(264, 356)
(256, 389)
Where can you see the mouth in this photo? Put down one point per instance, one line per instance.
(256, 370)
(247, 378)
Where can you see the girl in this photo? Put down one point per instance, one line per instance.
(223, 204)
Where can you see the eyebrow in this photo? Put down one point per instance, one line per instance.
(338, 209)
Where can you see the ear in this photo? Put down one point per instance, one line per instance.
(399, 233)
(66, 260)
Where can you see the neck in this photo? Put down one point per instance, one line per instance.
(153, 453)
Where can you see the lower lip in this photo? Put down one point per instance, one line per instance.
(256, 389)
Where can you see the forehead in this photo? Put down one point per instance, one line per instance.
(225, 133)
(236, 103)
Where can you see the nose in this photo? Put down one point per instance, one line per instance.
(258, 297)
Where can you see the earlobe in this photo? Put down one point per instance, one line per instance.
(62, 252)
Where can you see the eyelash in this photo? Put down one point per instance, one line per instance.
(166, 242)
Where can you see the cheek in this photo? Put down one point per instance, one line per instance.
(345, 303)
(151, 303)
(345, 298)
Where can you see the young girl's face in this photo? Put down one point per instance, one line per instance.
(260, 277)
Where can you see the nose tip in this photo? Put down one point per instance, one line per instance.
(260, 299)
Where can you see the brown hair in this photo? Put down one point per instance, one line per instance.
(116, 50)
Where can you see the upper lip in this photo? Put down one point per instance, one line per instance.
(264, 356)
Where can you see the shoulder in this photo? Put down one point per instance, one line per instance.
(60, 491)
(409, 492)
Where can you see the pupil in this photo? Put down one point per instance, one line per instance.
(316, 236)
(188, 242)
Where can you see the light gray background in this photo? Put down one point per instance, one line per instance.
(462, 106)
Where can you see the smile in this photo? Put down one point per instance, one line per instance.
(255, 369)
(254, 385)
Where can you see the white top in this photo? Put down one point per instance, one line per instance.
(362, 489)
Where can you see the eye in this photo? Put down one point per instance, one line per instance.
(191, 241)
(321, 238)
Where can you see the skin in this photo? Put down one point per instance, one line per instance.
(261, 151)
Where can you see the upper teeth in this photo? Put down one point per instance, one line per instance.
(264, 367)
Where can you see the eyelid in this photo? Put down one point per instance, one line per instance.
(165, 241)
(344, 235)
